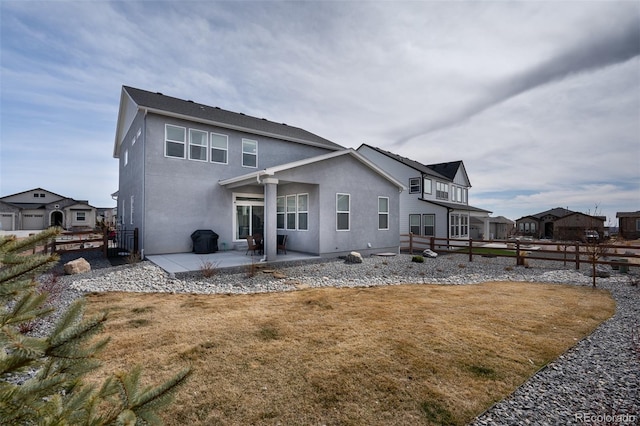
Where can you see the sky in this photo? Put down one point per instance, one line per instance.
(539, 99)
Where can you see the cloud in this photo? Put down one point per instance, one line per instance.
(606, 44)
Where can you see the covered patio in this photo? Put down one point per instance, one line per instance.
(191, 262)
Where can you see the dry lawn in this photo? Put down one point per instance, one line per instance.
(410, 354)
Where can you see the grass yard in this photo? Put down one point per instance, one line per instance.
(410, 354)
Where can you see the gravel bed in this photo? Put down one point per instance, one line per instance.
(596, 381)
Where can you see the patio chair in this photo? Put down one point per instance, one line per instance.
(282, 243)
(253, 244)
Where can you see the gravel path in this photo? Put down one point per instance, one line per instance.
(595, 382)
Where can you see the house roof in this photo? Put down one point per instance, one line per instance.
(166, 105)
(32, 190)
(411, 163)
(456, 206)
(628, 214)
(270, 171)
(446, 169)
(557, 212)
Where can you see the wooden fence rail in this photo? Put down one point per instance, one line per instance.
(572, 252)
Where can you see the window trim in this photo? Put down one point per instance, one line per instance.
(205, 146)
(423, 224)
(250, 153)
(347, 212)
(300, 212)
(419, 223)
(381, 213)
(424, 191)
(183, 143)
(414, 188)
(226, 148)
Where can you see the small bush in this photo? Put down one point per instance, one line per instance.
(208, 268)
(417, 259)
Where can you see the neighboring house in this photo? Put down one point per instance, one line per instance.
(629, 225)
(540, 225)
(500, 228)
(572, 227)
(436, 203)
(107, 215)
(560, 224)
(186, 166)
(38, 209)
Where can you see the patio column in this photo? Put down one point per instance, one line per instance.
(270, 218)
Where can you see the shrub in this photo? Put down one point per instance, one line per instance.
(56, 393)
(417, 259)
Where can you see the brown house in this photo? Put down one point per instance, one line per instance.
(559, 224)
(629, 225)
(573, 226)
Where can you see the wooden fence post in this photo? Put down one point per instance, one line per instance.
(105, 242)
(135, 240)
(518, 257)
(432, 244)
(577, 256)
(411, 243)
(470, 250)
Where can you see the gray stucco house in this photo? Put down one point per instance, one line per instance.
(436, 202)
(38, 209)
(185, 166)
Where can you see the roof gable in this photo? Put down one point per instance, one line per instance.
(271, 171)
(408, 162)
(187, 109)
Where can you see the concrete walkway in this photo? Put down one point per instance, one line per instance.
(192, 262)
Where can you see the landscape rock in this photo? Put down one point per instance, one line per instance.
(78, 266)
(601, 271)
(353, 257)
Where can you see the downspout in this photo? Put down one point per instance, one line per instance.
(144, 184)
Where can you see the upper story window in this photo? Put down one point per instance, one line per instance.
(219, 148)
(383, 213)
(197, 145)
(126, 157)
(175, 140)
(442, 191)
(426, 186)
(414, 185)
(249, 153)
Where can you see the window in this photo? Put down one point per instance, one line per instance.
(249, 215)
(126, 157)
(291, 212)
(303, 212)
(343, 212)
(219, 148)
(414, 224)
(533, 227)
(426, 186)
(139, 133)
(414, 185)
(429, 225)
(459, 226)
(465, 194)
(442, 190)
(175, 141)
(637, 224)
(249, 153)
(383, 213)
(521, 226)
(280, 203)
(526, 227)
(81, 216)
(197, 145)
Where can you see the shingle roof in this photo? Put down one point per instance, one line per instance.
(446, 169)
(557, 212)
(411, 163)
(224, 118)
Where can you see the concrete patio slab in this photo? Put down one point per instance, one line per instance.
(191, 262)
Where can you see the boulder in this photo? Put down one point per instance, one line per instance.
(353, 257)
(429, 253)
(78, 266)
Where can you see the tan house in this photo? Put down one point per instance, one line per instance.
(38, 209)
